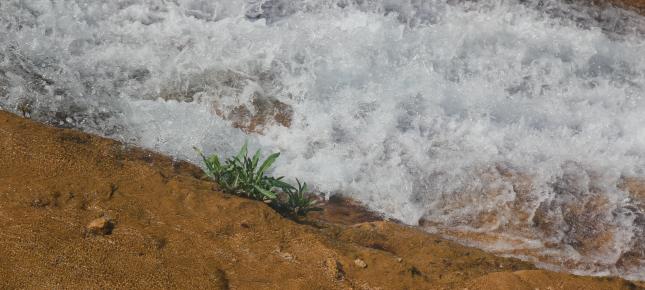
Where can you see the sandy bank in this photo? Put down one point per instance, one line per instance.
(172, 230)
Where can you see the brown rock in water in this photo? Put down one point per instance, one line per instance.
(264, 111)
(100, 226)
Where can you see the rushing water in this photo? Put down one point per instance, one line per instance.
(516, 120)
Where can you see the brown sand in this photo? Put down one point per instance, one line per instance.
(168, 228)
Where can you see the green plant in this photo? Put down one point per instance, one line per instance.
(298, 201)
(244, 175)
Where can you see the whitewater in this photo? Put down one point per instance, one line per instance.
(509, 125)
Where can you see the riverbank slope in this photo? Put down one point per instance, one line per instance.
(80, 211)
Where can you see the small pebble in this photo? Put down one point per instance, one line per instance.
(100, 226)
(360, 263)
(286, 256)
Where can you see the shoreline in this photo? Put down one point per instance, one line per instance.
(172, 228)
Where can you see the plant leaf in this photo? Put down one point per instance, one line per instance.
(267, 163)
(203, 158)
(281, 184)
(267, 193)
(213, 163)
(243, 151)
(236, 180)
(255, 160)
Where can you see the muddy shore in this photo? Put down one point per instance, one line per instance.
(167, 226)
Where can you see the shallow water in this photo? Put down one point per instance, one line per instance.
(518, 120)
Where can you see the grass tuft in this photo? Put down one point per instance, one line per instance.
(298, 201)
(246, 176)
